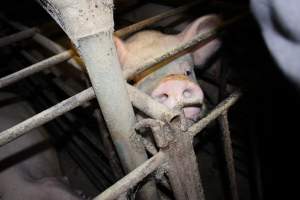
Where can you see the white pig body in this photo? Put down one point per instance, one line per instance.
(29, 167)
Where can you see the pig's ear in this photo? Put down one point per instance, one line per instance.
(121, 49)
(202, 25)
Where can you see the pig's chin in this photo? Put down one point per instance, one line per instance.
(192, 113)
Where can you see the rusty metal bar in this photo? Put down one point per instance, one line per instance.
(17, 36)
(133, 177)
(215, 113)
(45, 116)
(152, 20)
(176, 52)
(37, 67)
(223, 119)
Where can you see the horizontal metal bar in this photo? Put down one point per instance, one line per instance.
(17, 36)
(132, 178)
(37, 67)
(147, 22)
(215, 113)
(175, 52)
(45, 116)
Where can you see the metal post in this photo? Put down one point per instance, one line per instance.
(183, 169)
(89, 24)
(228, 152)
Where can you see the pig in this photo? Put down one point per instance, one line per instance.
(175, 84)
(29, 167)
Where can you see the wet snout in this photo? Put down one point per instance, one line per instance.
(177, 92)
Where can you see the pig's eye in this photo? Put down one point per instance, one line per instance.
(188, 72)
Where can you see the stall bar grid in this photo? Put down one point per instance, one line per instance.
(135, 96)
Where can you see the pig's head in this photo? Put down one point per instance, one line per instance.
(174, 84)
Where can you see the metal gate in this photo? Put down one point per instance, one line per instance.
(89, 24)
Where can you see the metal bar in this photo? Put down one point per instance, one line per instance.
(17, 36)
(37, 67)
(214, 114)
(223, 120)
(226, 139)
(42, 40)
(77, 100)
(182, 168)
(176, 52)
(133, 177)
(109, 148)
(45, 116)
(152, 20)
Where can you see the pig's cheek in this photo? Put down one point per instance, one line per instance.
(192, 113)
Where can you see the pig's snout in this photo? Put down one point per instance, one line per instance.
(180, 92)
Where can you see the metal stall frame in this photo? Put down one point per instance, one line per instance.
(186, 184)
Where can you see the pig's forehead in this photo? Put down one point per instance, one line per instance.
(178, 66)
(147, 45)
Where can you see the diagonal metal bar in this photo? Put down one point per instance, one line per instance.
(152, 20)
(133, 177)
(17, 36)
(177, 51)
(42, 40)
(215, 113)
(37, 67)
(141, 102)
(45, 116)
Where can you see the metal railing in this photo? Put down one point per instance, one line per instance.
(177, 149)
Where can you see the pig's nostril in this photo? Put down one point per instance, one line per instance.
(187, 94)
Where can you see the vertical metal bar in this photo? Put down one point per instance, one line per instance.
(226, 138)
(89, 24)
(228, 152)
(183, 170)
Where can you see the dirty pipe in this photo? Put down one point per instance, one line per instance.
(89, 24)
